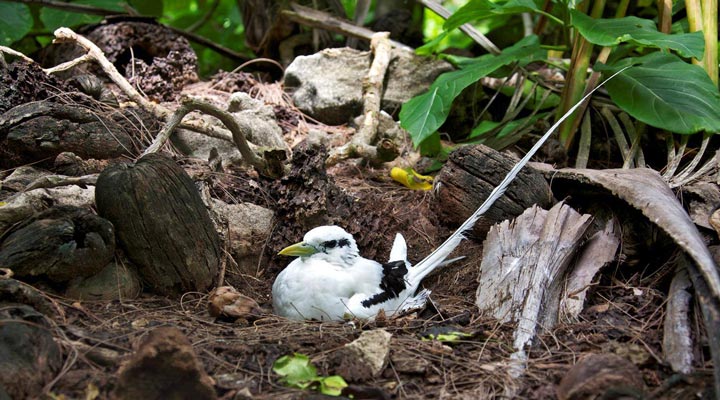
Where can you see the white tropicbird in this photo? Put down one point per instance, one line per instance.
(330, 280)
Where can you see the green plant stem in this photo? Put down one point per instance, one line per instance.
(576, 80)
(621, 10)
(694, 17)
(710, 30)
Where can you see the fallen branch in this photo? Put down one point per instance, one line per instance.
(188, 105)
(7, 50)
(468, 29)
(100, 355)
(52, 181)
(318, 19)
(361, 144)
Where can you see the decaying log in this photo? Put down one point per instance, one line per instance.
(61, 243)
(161, 223)
(522, 268)
(469, 176)
(44, 129)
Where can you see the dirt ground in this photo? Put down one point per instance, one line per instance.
(623, 315)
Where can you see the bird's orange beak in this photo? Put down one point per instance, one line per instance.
(301, 249)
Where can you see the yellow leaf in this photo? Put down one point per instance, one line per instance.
(91, 392)
(411, 179)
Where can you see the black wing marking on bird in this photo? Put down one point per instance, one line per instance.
(392, 283)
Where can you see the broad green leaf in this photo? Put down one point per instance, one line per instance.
(637, 31)
(480, 9)
(666, 92)
(55, 18)
(296, 370)
(15, 23)
(332, 385)
(422, 115)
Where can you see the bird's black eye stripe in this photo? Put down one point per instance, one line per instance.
(331, 244)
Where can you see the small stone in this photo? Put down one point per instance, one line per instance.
(115, 281)
(248, 228)
(366, 357)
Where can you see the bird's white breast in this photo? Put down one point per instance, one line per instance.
(316, 289)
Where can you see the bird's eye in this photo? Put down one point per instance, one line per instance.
(330, 244)
(343, 243)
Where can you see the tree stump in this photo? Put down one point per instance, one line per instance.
(471, 173)
(161, 223)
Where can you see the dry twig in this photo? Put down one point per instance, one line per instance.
(361, 144)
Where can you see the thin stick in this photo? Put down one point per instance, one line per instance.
(468, 29)
(188, 105)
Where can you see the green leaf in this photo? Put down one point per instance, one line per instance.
(422, 115)
(296, 370)
(15, 23)
(54, 18)
(666, 92)
(332, 385)
(637, 31)
(480, 9)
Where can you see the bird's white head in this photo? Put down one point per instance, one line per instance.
(331, 243)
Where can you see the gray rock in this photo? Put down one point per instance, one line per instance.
(328, 85)
(115, 281)
(258, 120)
(248, 226)
(23, 205)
